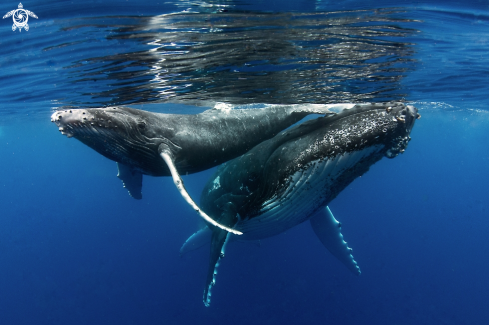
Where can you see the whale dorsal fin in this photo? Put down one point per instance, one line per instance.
(328, 230)
(131, 179)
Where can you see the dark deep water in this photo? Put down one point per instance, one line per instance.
(76, 249)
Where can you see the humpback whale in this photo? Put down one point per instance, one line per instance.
(157, 144)
(293, 176)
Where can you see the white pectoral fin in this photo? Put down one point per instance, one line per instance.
(328, 230)
(131, 179)
(181, 188)
(199, 239)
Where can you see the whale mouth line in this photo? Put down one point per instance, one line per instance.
(77, 129)
(115, 140)
(80, 122)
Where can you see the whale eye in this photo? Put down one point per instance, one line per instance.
(141, 125)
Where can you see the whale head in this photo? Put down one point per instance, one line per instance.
(286, 179)
(122, 134)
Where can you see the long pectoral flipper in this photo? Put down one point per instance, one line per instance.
(181, 188)
(328, 230)
(218, 244)
(131, 179)
(199, 239)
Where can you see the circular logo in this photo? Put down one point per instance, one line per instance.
(20, 18)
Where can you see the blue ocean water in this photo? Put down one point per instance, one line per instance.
(76, 249)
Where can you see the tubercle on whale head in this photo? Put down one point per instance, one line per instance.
(386, 125)
(118, 119)
(64, 119)
(77, 122)
(107, 123)
(118, 133)
(406, 118)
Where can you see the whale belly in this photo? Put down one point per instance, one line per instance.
(308, 190)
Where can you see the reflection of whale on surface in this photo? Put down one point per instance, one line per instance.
(158, 144)
(244, 57)
(292, 177)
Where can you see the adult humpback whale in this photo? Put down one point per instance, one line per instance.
(292, 177)
(158, 144)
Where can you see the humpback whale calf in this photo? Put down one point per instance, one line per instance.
(292, 177)
(156, 144)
